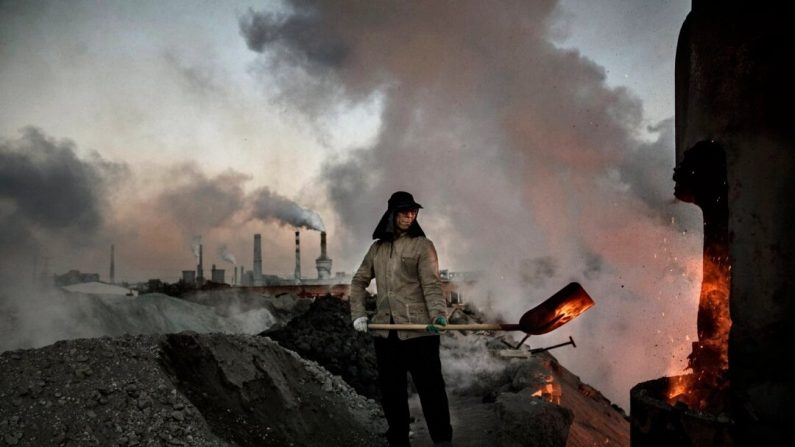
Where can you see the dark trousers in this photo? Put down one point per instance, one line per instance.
(420, 357)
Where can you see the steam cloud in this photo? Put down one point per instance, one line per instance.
(527, 163)
(268, 205)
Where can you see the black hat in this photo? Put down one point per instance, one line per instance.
(402, 200)
(399, 201)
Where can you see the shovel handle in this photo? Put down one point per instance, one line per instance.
(449, 327)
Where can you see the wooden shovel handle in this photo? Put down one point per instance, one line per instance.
(449, 327)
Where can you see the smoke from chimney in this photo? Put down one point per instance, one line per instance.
(271, 206)
(226, 255)
(195, 243)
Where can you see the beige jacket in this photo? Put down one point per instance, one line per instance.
(406, 273)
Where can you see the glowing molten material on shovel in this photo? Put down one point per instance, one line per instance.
(553, 313)
(558, 310)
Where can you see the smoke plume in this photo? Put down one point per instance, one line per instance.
(226, 255)
(268, 205)
(517, 149)
(195, 245)
(201, 203)
(49, 196)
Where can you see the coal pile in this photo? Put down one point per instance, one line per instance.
(183, 389)
(325, 334)
(95, 392)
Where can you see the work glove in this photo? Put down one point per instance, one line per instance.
(438, 321)
(360, 324)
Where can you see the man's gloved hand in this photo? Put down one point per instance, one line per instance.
(360, 324)
(438, 321)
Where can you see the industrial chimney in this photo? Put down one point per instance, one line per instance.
(200, 268)
(297, 257)
(323, 263)
(112, 265)
(257, 260)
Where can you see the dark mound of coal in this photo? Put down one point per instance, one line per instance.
(325, 334)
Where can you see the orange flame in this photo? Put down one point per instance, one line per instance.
(550, 391)
(677, 388)
(710, 357)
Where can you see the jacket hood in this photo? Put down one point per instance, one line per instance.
(385, 230)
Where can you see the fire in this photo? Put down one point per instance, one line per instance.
(550, 391)
(707, 387)
(677, 388)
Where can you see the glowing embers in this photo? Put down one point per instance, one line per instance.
(550, 391)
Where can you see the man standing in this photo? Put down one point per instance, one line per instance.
(406, 271)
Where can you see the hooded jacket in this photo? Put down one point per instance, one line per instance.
(406, 272)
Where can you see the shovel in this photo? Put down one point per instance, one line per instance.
(553, 313)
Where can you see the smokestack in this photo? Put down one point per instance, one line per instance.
(112, 264)
(257, 260)
(297, 256)
(234, 281)
(200, 268)
(323, 263)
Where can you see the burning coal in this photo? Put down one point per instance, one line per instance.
(271, 206)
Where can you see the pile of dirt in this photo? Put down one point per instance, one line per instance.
(324, 333)
(179, 389)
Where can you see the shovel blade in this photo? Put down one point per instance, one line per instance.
(557, 310)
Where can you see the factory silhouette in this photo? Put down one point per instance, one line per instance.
(324, 283)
